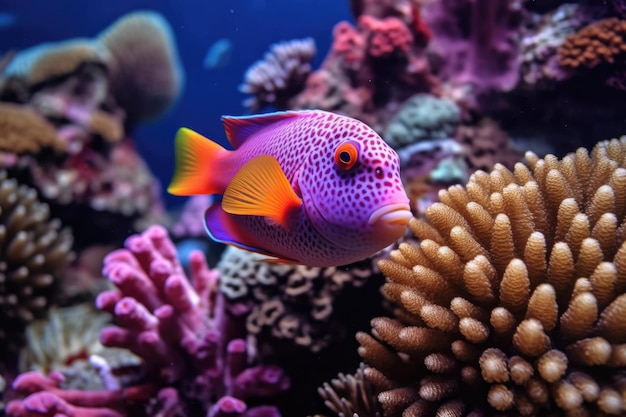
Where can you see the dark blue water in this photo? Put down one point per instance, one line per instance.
(252, 25)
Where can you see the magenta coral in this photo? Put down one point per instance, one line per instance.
(47, 399)
(178, 326)
(386, 36)
(349, 43)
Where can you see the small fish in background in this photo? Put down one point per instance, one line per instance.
(7, 20)
(302, 187)
(219, 54)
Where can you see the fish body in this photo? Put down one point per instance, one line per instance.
(307, 187)
(219, 54)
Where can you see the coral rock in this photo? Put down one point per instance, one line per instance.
(539, 314)
(34, 249)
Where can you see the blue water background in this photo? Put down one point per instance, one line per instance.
(252, 25)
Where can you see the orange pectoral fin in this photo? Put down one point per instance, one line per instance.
(261, 188)
(194, 156)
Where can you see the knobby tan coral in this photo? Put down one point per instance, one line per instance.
(513, 302)
(22, 130)
(33, 251)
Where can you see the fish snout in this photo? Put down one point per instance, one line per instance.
(394, 216)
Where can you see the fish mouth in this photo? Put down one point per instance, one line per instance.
(395, 214)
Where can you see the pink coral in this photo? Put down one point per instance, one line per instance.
(386, 36)
(180, 329)
(349, 43)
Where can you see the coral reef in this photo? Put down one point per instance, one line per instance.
(422, 117)
(193, 360)
(351, 395)
(146, 75)
(371, 66)
(66, 341)
(34, 249)
(280, 75)
(601, 42)
(294, 303)
(487, 144)
(542, 39)
(511, 302)
(80, 98)
(476, 42)
(189, 223)
(22, 130)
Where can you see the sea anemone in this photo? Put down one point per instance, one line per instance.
(513, 301)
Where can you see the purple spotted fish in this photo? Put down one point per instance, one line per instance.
(303, 187)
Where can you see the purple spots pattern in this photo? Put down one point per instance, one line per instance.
(333, 227)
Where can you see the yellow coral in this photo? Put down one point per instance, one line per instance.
(514, 300)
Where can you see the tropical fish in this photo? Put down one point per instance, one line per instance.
(219, 54)
(303, 187)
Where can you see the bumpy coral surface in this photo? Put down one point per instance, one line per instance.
(422, 117)
(66, 341)
(280, 75)
(23, 130)
(33, 251)
(145, 71)
(193, 362)
(601, 42)
(513, 301)
(286, 302)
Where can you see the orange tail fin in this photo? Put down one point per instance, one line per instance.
(195, 168)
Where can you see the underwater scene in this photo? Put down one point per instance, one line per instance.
(329, 208)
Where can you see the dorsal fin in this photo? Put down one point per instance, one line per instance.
(240, 128)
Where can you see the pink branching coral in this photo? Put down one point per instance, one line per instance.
(386, 36)
(349, 43)
(193, 360)
(372, 66)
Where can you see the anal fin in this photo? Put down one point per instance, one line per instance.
(222, 227)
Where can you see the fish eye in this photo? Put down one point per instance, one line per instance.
(346, 156)
(379, 173)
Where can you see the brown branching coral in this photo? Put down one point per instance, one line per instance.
(513, 302)
(23, 130)
(598, 43)
(350, 395)
(33, 251)
(286, 302)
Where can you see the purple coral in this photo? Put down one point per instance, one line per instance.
(477, 42)
(178, 326)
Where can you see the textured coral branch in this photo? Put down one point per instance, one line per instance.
(178, 327)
